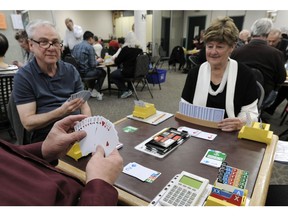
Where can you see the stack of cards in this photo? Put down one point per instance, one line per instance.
(85, 95)
(100, 131)
(199, 112)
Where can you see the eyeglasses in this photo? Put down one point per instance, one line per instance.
(46, 44)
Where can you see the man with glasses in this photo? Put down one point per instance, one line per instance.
(42, 87)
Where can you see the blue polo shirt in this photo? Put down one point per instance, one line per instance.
(49, 93)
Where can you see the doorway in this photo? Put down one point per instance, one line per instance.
(165, 36)
(195, 25)
(238, 20)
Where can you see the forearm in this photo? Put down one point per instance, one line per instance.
(37, 121)
(85, 109)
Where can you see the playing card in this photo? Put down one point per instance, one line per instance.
(107, 135)
(190, 131)
(84, 94)
(87, 144)
(100, 131)
(205, 135)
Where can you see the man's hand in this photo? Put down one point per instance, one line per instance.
(71, 106)
(105, 168)
(61, 137)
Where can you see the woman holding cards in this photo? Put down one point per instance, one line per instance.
(221, 82)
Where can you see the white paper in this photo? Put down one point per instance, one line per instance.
(17, 21)
(281, 153)
(138, 171)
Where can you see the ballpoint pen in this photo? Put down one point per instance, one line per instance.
(161, 116)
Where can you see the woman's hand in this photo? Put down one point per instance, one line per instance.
(230, 124)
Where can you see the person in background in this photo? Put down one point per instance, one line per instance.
(127, 58)
(86, 57)
(244, 38)
(222, 82)
(4, 45)
(113, 46)
(73, 34)
(22, 38)
(275, 39)
(121, 42)
(97, 47)
(43, 86)
(32, 179)
(258, 54)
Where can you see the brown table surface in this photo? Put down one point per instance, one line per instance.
(241, 153)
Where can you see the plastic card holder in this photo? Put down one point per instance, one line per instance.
(163, 143)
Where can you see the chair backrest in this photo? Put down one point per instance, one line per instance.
(261, 94)
(72, 60)
(22, 135)
(154, 61)
(6, 86)
(142, 65)
(194, 59)
(258, 75)
(260, 82)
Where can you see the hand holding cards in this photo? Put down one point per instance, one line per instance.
(85, 95)
(100, 131)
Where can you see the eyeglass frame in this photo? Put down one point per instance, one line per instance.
(48, 43)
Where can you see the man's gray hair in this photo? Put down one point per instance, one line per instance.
(34, 24)
(261, 27)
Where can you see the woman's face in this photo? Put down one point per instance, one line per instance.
(217, 53)
(24, 44)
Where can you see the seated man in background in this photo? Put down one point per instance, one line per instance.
(42, 87)
(275, 39)
(258, 54)
(86, 57)
(29, 177)
(22, 38)
(221, 82)
(244, 38)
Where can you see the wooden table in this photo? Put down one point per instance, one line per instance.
(257, 158)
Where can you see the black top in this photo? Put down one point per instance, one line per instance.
(269, 60)
(127, 57)
(245, 90)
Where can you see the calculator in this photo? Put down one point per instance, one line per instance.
(186, 191)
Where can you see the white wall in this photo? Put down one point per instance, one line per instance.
(124, 25)
(99, 22)
(250, 16)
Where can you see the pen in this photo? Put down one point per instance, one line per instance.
(161, 116)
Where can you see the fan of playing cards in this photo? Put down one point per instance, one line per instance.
(100, 131)
(84, 94)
